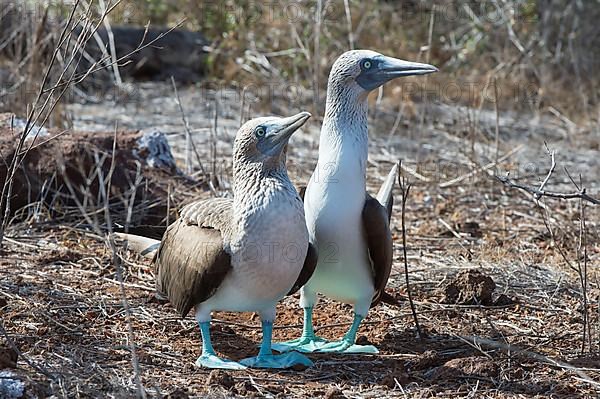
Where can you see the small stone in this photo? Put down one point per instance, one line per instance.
(299, 367)
(154, 149)
(424, 361)
(390, 379)
(363, 340)
(333, 393)
(504, 300)
(476, 366)
(221, 378)
(178, 394)
(8, 357)
(11, 386)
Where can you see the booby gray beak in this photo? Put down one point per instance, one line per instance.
(382, 69)
(280, 131)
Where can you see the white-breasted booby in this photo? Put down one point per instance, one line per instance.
(349, 228)
(240, 254)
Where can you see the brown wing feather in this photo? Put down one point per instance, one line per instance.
(310, 263)
(191, 262)
(379, 241)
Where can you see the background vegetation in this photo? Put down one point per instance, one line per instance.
(541, 53)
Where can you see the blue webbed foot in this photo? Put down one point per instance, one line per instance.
(346, 346)
(210, 361)
(305, 344)
(282, 361)
(310, 343)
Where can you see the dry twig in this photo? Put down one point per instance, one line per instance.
(405, 189)
(540, 192)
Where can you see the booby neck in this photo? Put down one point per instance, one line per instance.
(344, 139)
(255, 185)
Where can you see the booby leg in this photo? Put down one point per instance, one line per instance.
(347, 344)
(308, 342)
(267, 360)
(209, 358)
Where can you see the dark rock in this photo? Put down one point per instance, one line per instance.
(469, 287)
(398, 375)
(220, 378)
(8, 357)
(363, 340)
(178, 53)
(424, 361)
(299, 367)
(504, 300)
(472, 228)
(178, 394)
(476, 366)
(333, 393)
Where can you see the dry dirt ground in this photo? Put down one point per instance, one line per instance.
(494, 275)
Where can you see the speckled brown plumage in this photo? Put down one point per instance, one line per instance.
(204, 249)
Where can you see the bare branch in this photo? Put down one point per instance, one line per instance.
(405, 188)
(540, 192)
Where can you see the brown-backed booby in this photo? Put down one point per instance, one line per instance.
(241, 254)
(349, 228)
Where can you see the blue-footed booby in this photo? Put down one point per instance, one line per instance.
(349, 228)
(240, 254)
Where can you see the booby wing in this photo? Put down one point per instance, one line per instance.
(191, 261)
(376, 221)
(310, 263)
(379, 243)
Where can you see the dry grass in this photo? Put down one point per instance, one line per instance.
(536, 51)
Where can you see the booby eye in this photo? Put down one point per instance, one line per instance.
(367, 64)
(260, 131)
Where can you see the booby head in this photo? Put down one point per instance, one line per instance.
(264, 140)
(365, 70)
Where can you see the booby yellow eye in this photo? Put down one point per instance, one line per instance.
(260, 131)
(367, 64)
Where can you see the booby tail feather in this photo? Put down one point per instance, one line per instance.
(384, 196)
(144, 246)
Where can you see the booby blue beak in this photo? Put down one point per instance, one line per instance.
(279, 131)
(381, 69)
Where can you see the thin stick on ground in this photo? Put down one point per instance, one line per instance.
(405, 189)
(582, 270)
(536, 356)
